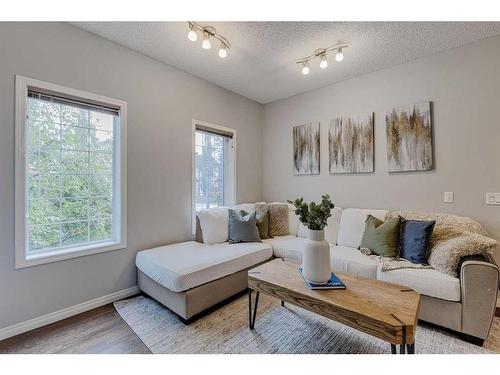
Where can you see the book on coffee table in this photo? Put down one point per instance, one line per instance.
(333, 283)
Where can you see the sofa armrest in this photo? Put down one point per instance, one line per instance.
(479, 278)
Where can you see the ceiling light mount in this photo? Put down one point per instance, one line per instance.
(321, 53)
(208, 32)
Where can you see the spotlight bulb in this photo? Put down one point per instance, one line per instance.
(339, 56)
(222, 51)
(324, 63)
(305, 69)
(192, 35)
(206, 42)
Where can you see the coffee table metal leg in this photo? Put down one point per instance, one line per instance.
(411, 348)
(255, 309)
(250, 308)
(393, 349)
(282, 303)
(251, 319)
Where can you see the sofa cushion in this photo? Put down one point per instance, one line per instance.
(426, 281)
(343, 259)
(214, 225)
(331, 230)
(381, 237)
(302, 230)
(279, 219)
(293, 220)
(414, 240)
(186, 265)
(352, 225)
(243, 228)
(352, 261)
(247, 207)
(287, 247)
(262, 213)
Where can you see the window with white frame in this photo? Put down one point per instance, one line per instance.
(70, 173)
(214, 166)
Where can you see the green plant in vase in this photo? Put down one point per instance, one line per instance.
(314, 216)
(316, 253)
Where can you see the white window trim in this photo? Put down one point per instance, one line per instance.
(193, 166)
(22, 259)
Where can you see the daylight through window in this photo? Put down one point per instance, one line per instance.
(214, 167)
(70, 172)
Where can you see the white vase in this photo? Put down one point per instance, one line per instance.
(316, 257)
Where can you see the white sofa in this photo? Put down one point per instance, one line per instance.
(346, 257)
(192, 276)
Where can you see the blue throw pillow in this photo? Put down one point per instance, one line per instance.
(414, 240)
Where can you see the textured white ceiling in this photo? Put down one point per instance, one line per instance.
(261, 63)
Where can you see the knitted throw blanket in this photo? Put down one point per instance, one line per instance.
(389, 264)
(453, 237)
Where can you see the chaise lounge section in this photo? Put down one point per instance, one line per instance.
(192, 276)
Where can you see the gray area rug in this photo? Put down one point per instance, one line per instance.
(288, 329)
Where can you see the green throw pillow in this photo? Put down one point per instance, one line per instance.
(381, 237)
(262, 215)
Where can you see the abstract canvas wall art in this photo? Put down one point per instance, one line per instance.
(350, 144)
(306, 146)
(409, 138)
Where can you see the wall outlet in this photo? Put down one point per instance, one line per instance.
(493, 198)
(448, 197)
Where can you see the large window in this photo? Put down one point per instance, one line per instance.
(214, 166)
(70, 167)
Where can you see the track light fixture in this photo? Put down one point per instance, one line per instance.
(324, 62)
(208, 33)
(305, 68)
(339, 56)
(192, 34)
(322, 54)
(222, 51)
(206, 41)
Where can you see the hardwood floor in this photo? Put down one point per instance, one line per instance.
(100, 330)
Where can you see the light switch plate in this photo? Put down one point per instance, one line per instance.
(448, 197)
(493, 198)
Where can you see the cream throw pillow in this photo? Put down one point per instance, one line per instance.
(214, 225)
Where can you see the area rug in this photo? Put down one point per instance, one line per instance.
(278, 329)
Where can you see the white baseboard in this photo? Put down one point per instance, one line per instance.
(43, 320)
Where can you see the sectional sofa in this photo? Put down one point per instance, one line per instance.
(190, 277)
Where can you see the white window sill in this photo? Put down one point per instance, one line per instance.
(35, 259)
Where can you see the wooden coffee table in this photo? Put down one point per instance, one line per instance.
(383, 310)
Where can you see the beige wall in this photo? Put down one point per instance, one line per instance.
(463, 84)
(161, 103)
